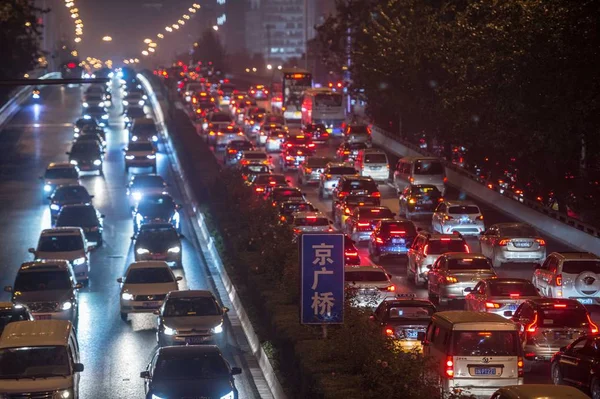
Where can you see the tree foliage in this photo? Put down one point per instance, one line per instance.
(210, 49)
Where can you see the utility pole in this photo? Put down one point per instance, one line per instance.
(306, 34)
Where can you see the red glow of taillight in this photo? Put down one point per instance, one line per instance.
(515, 295)
(503, 242)
(347, 211)
(376, 194)
(533, 326)
(593, 327)
(351, 253)
(467, 250)
(560, 305)
(259, 189)
(558, 280)
(343, 194)
(402, 232)
(272, 183)
(378, 240)
(520, 364)
(389, 331)
(361, 224)
(311, 145)
(445, 180)
(425, 249)
(289, 144)
(492, 305)
(450, 367)
(541, 242)
(391, 288)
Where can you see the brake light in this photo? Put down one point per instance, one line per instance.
(389, 332)
(520, 366)
(492, 305)
(558, 281)
(593, 327)
(259, 189)
(347, 211)
(391, 288)
(397, 232)
(503, 242)
(449, 367)
(441, 199)
(230, 151)
(311, 145)
(351, 253)
(541, 242)
(378, 240)
(467, 250)
(515, 295)
(425, 249)
(445, 180)
(361, 224)
(346, 152)
(480, 217)
(445, 239)
(560, 305)
(272, 182)
(376, 194)
(412, 180)
(211, 133)
(533, 326)
(448, 217)
(289, 144)
(289, 158)
(343, 193)
(311, 217)
(451, 279)
(412, 200)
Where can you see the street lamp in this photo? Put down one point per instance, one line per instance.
(160, 36)
(107, 39)
(279, 67)
(77, 39)
(145, 52)
(147, 41)
(152, 44)
(253, 69)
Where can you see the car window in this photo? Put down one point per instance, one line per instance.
(11, 316)
(43, 281)
(311, 221)
(558, 317)
(60, 243)
(140, 146)
(34, 362)
(512, 288)
(141, 181)
(407, 228)
(82, 216)
(468, 264)
(428, 167)
(485, 343)
(191, 366)
(441, 246)
(220, 118)
(182, 307)
(518, 231)
(376, 158)
(61, 173)
(71, 193)
(425, 190)
(149, 275)
(316, 162)
(377, 213)
(255, 155)
(581, 266)
(464, 209)
(411, 312)
(342, 170)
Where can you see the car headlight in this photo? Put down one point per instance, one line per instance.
(87, 117)
(141, 251)
(176, 217)
(79, 261)
(101, 104)
(85, 105)
(157, 397)
(134, 138)
(129, 156)
(76, 129)
(54, 207)
(47, 188)
(76, 134)
(97, 162)
(126, 119)
(126, 296)
(105, 116)
(73, 162)
(66, 306)
(62, 394)
(145, 97)
(174, 250)
(125, 102)
(154, 138)
(169, 331)
(218, 329)
(137, 195)
(230, 395)
(141, 102)
(151, 156)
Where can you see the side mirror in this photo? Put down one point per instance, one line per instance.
(179, 278)
(225, 309)
(421, 336)
(78, 286)
(31, 250)
(8, 288)
(78, 367)
(120, 280)
(468, 289)
(145, 374)
(236, 371)
(508, 313)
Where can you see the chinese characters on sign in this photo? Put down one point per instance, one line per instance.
(322, 265)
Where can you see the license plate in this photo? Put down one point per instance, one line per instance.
(398, 241)
(153, 304)
(426, 202)
(300, 159)
(195, 340)
(43, 317)
(585, 301)
(485, 371)
(412, 334)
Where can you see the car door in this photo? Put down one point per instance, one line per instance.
(571, 360)
(538, 275)
(436, 274)
(151, 368)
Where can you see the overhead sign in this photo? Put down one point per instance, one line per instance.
(322, 291)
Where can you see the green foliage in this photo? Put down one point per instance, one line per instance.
(210, 49)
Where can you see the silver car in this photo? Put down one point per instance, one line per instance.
(331, 175)
(311, 222)
(512, 242)
(311, 169)
(499, 295)
(457, 216)
(368, 285)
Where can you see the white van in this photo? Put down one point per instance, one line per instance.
(476, 352)
(373, 163)
(39, 359)
(420, 170)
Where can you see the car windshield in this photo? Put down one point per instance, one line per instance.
(429, 168)
(34, 362)
(438, 247)
(48, 280)
(60, 243)
(201, 306)
(190, 366)
(485, 343)
(255, 155)
(361, 185)
(135, 112)
(342, 170)
(85, 122)
(464, 210)
(164, 234)
(365, 276)
(230, 130)
(376, 158)
(311, 221)
(518, 231)
(375, 213)
(404, 228)
(140, 146)
(220, 118)
(206, 104)
(286, 192)
(411, 312)
(580, 266)
(148, 181)
(143, 127)
(61, 173)
(12, 315)
(426, 190)
(152, 204)
(256, 169)
(359, 129)
(82, 216)
(549, 317)
(71, 193)
(85, 147)
(512, 288)
(149, 275)
(468, 264)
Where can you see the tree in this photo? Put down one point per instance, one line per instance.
(210, 49)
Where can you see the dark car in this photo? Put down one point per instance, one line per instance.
(158, 241)
(97, 112)
(84, 216)
(355, 185)
(579, 364)
(155, 208)
(87, 155)
(253, 169)
(69, 194)
(419, 199)
(133, 113)
(233, 150)
(351, 257)
(289, 206)
(300, 142)
(404, 319)
(391, 237)
(279, 194)
(90, 129)
(91, 136)
(317, 131)
(10, 313)
(261, 182)
(361, 223)
(311, 169)
(81, 122)
(197, 371)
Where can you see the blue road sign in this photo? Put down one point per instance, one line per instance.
(322, 291)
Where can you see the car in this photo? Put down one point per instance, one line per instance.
(67, 243)
(144, 287)
(255, 156)
(512, 242)
(403, 318)
(292, 158)
(347, 152)
(300, 142)
(548, 324)
(350, 129)
(280, 194)
(84, 216)
(331, 176)
(140, 154)
(275, 139)
(391, 237)
(287, 207)
(373, 163)
(10, 313)
(253, 119)
(226, 134)
(344, 208)
(368, 286)
(573, 275)
(214, 122)
(92, 137)
(361, 223)
(191, 89)
(68, 194)
(141, 185)
(354, 185)
(310, 221)
(351, 257)
(258, 92)
(158, 241)
(143, 129)
(419, 199)
(498, 295)
(199, 371)
(310, 170)
(263, 131)
(453, 272)
(253, 169)
(91, 130)
(420, 170)
(156, 208)
(191, 317)
(100, 114)
(47, 288)
(134, 99)
(425, 250)
(87, 156)
(234, 150)
(261, 182)
(94, 99)
(59, 174)
(536, 391)
(317, 131)
(577, 364)
(81, 122)
(461, 216)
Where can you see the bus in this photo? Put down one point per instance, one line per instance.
(326, 106)
(295, 82)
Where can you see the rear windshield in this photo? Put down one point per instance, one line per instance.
(255, 155)
(358, 129)
(280, 194)
(442, 246)
(256, 169)
(508, 288)
(60, 243)
(464, 210)
(317, 162)
(378, 213)
(150, 275)
(82, 216)
(43, 281)
(298, 139)
(61, 173)
(405, 228)
(342, 170)
(241, 145)
(518, 231)
(265, 179)
(376, 275)
(468, 264)
(428, 168)
(360, 200)
(141, 181)
(360, 184)
(376, 158)
(220, 118)
(411, 312)
(580, 266)
(485, 343)
(311, 221)
(566, 317)
(426, 190)
(297, 206)
(71, 193)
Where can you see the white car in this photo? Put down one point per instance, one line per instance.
(141, 185)
(369, 285)
(311, 222)
(140, 154)
(145, 286)
(457, 216)
(59, 174)
(500, 295)
(65, 243)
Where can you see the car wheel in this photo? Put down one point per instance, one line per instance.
(557, 377)
(124, 316)
(595, 388)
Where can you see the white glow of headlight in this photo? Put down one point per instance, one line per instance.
(110, 75)
(151, 156)
(129, 156)
(125, 102)
(64, 394)
(54, 207)
(107, 103)
(134, 138)
(87, 117)
(157, 397)
(67, 305)
(97, 162)
(47, 188)
(126, 296)
(76, 129)
(101, 104)
(141, 102)
(76, 135)
(79, 261)
(218, 329)
(154, 138)
(126, 119)
(145, 97)
(105, 116)
(137, 196)
(228, 396)
(169, 331)
(188, 98)
(73, 162)
(175, 250)
(142, 251)
(85, 105)
(36, 96)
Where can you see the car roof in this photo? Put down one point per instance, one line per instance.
(33, 266)
(465, 316)
(254, 152)
(191, 294)
(407, 302)
(576, 255)
(436, 236)
(543, 391)
(36, 333)
(304, 214)
(63, 231)
(60, 165)
(353, 177)
(154, 226)
(147, 264)
(464, 255)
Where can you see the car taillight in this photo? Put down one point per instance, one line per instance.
(311, 145)
(412, 200)
(448, 217)
(376, 194)
(343, 193)
(480, 217)
(289, 144)
(504, 242)
(520, 366)
(308, 170)
(425, 249)
(391, 288)
(533, 325)
(445, 180)
(492, 305)
(412, 179)
(259, 189)
(289, 158)
(363, 224)
(450, 367)
(451, 279)
(558, 280)
(378, 240)
(541, 242)
(347, 211)
(351, 253)
(514, 295)
(441, 199)
(389, 332)
(467, 249)
(231, 151)
(593, 327)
